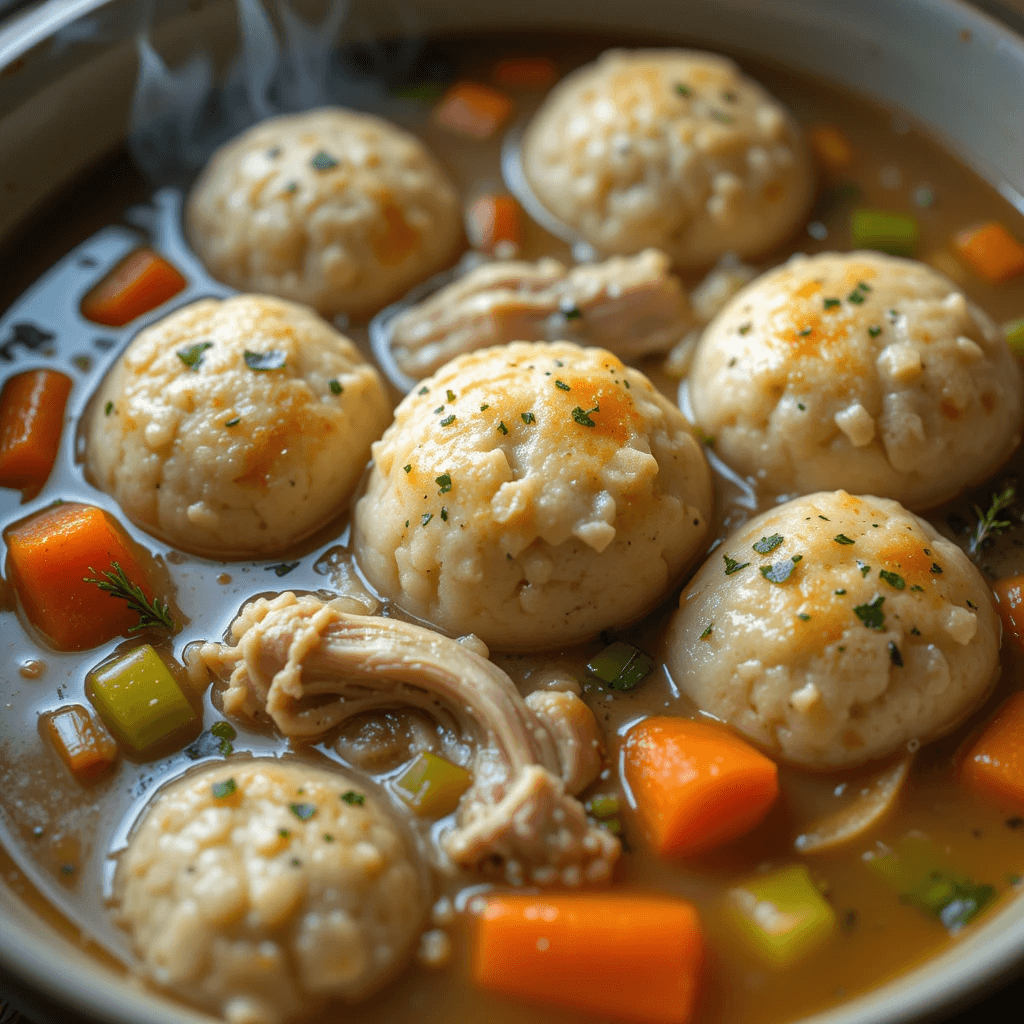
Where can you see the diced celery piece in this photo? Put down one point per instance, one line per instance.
(782, 916)
(922, 876)
(432, 786)
(139, 699)
(622, 666)
(1015, 336)
(894, 233)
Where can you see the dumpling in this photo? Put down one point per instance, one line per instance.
(235, 427)
(336, 209)
(533, 494)
(860, 371)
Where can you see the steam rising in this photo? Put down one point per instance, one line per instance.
(180, 115)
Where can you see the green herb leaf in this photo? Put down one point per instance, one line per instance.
(894, 655)
(353, 798)
(864, 568)
(562, 386)
(768, 544)
(223, 730)
(683, 90)
(423, 390)
(841, 538)
(936, 568)
(744, 328)
(572, 312)
(448, 420)
(192, 355)
(582, 418)
(261, 362)
(426, 517)
(709, 629)
(731, 565)
(893, 579)
(780, 571)
(871, 614)
(444, 482)
(407, 467)
(444, 514)
(832, 303)
(622, 666)
(989, 524)
(502, 429)
(874, 331)
(222, 790)
(335, 386)
(484, 407)
(528, 417)
(302, 811)
(233, 422)
(323, 161)
(108, 408)
(450, 395)
(116, 583)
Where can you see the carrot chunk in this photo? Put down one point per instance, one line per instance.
(524, 72)
(631, 958)
(992, 251)
(472, 109)
(140, 282)
(83, 745)
(495, 225)
(1010, 604)
(994, 765)
(696, 785)
(31, 422)
(831, 147)
(49, 558)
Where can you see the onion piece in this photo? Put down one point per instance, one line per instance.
(878, 796)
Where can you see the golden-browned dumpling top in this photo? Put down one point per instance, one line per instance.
(235, 427)
(860, 371)
(532, 494)
(262, 888)
(833, 630)
(669, 148)
(336, 209)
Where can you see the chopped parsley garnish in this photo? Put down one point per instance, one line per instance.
(745, 327)
(448, 420)
(874, 331)
(222, 790)
(894, 655)
(292, 187)
(484, 407)
(426, 517)
(683, 90)
(423, 390)
(802, 408)
(893, 579)
(914, 631)
(562, 386)
(335, 386)
(839, 592)
(582, 418)
(302, 811)
(352, 797)
(233, 422)
(225, 733)
(871, 614)
(108, 408)
(444, 514)
(192, 356)
(841, 538)
(117, 584)
(281, 568)
(936, 568)
(408, 467)
(731, 565)
(803, 616)
(832, 303)
(572, 313)
(444, 482)
(328, 838)
(284, 833)
(707, 632)
(855, 297)
(864, 568)
(805, 332)
(263, 361)
(323, 161)
(502, 429)
(723, 117)
(528, 417)
(767, 544)
(450, 395)
(439, 410)
(780, 571)
(920, 589)
(621, 666)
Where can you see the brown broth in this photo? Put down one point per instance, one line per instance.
(59, 833)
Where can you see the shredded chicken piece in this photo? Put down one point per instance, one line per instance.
(630, 305)
(311, 665)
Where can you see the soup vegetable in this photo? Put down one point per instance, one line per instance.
(609, 674)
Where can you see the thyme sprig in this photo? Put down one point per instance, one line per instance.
(989, 523)
(117, 584)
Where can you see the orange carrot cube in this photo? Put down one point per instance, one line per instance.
(31, 423)
(49, 557)
(140, 282)
(992, 251)
(625, 957)
(696, 785)
(472, 109)
(994, 764)
(524, 72)
(496, 225)
(82, 743)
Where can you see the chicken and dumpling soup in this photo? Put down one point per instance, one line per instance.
(626, 668)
